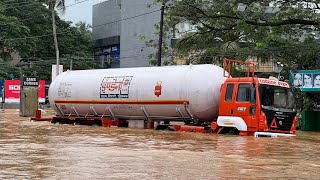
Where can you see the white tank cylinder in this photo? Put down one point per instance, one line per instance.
(135, 93)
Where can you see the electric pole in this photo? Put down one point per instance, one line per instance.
(160, 34)
(71, 63)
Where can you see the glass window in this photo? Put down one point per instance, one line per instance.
(280, 99)
(229, 92)
(276, 97)
(243, 93)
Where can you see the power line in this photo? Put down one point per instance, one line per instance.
(132, 18)
(123, 58)
(22, 20)
(30, 37)
(19, 5)
(7, 1)
(24, 4)
(48, 13)
(45, 35)
(10, 2)
(81, 60)
(93, 26)
(77, 3)
(127, 18)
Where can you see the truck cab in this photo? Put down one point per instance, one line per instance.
(252, 104)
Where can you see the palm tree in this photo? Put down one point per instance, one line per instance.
(60, 4)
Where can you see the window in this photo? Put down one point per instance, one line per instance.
(280, 99)
(243, 93)
(229, 92)
(276, 97)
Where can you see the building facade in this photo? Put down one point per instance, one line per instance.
(106, 29)
(122, 27)
(120, 31)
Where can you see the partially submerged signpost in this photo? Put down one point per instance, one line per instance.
(29, 96)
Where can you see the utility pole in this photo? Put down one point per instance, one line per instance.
(71, 63)
(54, 31)
(58, 61)
(160, 34)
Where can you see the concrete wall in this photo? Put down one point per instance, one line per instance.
(106, 29)
(135, 19)
(133, 50)
(106, 24)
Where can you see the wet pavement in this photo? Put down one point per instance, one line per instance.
(41, 150)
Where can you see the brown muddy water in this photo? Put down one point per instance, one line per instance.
(41, 150)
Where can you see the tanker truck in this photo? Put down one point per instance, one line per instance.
(203, 97)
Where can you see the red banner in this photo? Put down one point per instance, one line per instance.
(41, 91)
(12, 91)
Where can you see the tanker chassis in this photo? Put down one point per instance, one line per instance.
(204, 97)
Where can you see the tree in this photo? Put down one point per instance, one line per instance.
(283, 30)
(11, 30)
(28, 32)
(35, 16)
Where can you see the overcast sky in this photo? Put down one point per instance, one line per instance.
(81, 11)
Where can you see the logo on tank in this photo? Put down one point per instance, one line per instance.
(158, 89)
(115, 87)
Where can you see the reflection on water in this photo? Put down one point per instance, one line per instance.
(40, 150)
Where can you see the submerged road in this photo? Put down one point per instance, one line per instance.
(41, 150)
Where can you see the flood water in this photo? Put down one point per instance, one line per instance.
(41, 150)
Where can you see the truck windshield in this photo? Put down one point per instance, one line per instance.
(275, 97)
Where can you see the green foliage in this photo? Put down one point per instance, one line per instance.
(9, 72)
(27, 29)
(284, 30)
(12, 28)
(306, 101)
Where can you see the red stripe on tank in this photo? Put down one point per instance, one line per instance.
(121, 101)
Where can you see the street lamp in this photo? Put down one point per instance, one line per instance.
(280, 67)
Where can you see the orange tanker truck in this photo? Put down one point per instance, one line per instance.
(204, 97)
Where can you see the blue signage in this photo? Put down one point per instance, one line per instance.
(113, 51)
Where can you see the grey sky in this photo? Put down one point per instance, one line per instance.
(81, 11)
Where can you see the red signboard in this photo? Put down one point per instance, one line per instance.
(12, 91)
(41, 91)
